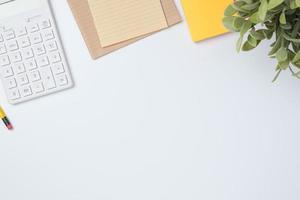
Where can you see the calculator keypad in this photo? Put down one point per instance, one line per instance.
(32, 62)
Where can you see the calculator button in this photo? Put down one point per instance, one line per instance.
(62, 80)
(48, 79)
(38, 87)
(48, 35)
(33, 27)
(42, 61)
(14, 94)
(22, 79)
(7, 72)
(16, 57)
(36, 38)
(12, 46)
(51, 46)
(34, 76)
(45, 24)
(24, 42)
(2, 49)
(55, 57)
(58, 69)
(26, 91)
(39, 50)
(19, 68)
(30, 64)
(10, 34)
(4, 60)
(21, 31)
(27, 53)
(11, 83)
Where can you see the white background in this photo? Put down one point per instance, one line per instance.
(163, 119)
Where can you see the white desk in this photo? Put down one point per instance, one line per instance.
(163, 119)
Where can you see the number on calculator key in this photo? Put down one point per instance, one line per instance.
(38, 87)
(24, 42)
(33, 27)
(14, 94)
(7, 72)
(47, 76)
(12, 45)
(11, 83)
(10, 34)
(2, 49)
(19, 68)
(4, 60)
(39, 49)
(21, 31)
(45, 24)
(30, 64)
(22, 79)
(58, 68)
(48, 35)
(26, 91)
(27, 53)
(34, 76)
(16, 57)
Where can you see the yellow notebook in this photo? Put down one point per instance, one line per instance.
(205, 17)
(120, 20)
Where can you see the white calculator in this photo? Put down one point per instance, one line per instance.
(32, 60)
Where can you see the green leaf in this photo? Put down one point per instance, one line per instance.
(293, 4)
(233, 23)
(296, 57)
(267, 33)
(229, 11)
(289, 38)
(258, 35)
(262, 10)
(250, 6)
(282, 54)
(238, 23)
(274, 3)
(277, 75)
(282, 18)
(254, 18)
(245, 27)
(297, 2)
(247, 46)
(297, 64)
(239, 44)
(276, 46)
(228, 23)
(252, 41)
(283, 65)
(297, 75)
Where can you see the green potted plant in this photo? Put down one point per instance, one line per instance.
(276, 20)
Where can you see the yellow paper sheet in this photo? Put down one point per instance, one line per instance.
(205, 17)
(120, 20)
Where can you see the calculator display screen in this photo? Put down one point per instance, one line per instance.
(9, 8)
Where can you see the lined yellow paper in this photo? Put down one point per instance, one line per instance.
(120, 20)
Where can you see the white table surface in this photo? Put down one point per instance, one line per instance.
(163, 119)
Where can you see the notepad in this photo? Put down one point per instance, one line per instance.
(120, 20)
(82, 14)
(205, 17)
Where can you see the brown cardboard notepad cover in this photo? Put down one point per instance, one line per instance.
(84, 19)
